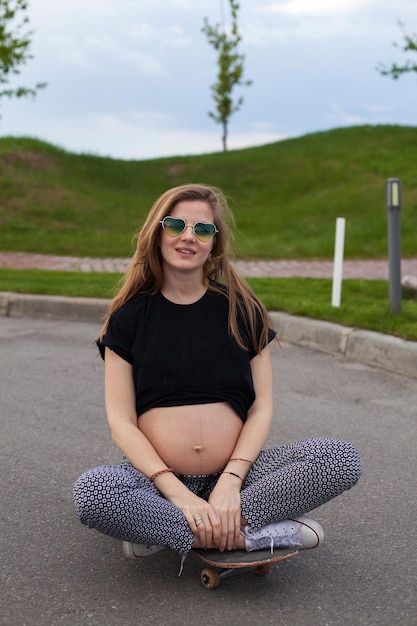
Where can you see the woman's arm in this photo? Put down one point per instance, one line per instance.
(121, 414)
(258, 424)
(225, 498)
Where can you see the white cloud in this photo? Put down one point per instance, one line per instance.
(142, 32)
(160, 132)
(70, 50)
(79, 7)
(281, 22)
(377, 108)
(358, 114)
(298, 8)
(313, 66)
(185, 5)
(338, 116)
(102, 41)
(170, 35)
(177, 37)
(134, 120)
(262, 126)
(252, 138)
(140, 135)
(261, 33)
(144, 63)
(335, 28)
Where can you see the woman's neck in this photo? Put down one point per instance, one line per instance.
(183, 289)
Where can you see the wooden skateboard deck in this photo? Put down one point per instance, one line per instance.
(230, 562)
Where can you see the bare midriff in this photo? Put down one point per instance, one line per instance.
(193, 440)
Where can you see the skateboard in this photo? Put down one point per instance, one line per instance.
(229, 563)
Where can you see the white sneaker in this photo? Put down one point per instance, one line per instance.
(302, 533)
(138, 550)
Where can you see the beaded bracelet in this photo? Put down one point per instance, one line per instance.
(244, 460)
(162, 471)
(233, 474)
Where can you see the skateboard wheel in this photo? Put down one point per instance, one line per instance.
(261, 570)
(210, 578)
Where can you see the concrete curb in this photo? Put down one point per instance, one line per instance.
(370, 348)
(53, 307)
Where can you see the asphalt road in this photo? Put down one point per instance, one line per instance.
(57, 572)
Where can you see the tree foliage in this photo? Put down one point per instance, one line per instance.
(15, 41)
(409, 45)
(230, 69)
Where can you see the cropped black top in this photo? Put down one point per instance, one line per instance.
(183, 354)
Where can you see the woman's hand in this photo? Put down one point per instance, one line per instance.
(225, 500)
(202, 518)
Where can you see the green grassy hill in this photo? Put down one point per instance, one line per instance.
(286, 196)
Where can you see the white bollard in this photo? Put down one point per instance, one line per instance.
(338, 261)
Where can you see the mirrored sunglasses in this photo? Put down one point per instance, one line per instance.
(174, 226)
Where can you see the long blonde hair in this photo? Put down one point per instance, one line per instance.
(144, 274)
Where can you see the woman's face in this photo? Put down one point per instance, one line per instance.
(185, 251)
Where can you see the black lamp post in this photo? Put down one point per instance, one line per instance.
(393, 199)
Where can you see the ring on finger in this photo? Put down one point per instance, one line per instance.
(198, 521)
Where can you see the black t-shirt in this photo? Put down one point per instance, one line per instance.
(183, 354)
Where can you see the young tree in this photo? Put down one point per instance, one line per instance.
(409, 44)
(230, 72)
(15, 42)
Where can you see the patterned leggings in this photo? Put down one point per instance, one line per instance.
(283, 483)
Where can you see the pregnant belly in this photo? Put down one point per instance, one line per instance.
(194, 440)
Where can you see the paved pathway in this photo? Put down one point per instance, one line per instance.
(374, 268)
(57, 572)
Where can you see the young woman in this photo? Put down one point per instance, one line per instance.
(188, 392)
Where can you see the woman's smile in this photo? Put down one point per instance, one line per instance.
(186, 251)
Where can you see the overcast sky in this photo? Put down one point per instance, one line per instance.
(131, 78)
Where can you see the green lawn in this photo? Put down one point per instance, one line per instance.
(286, 196)
(365, 303)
